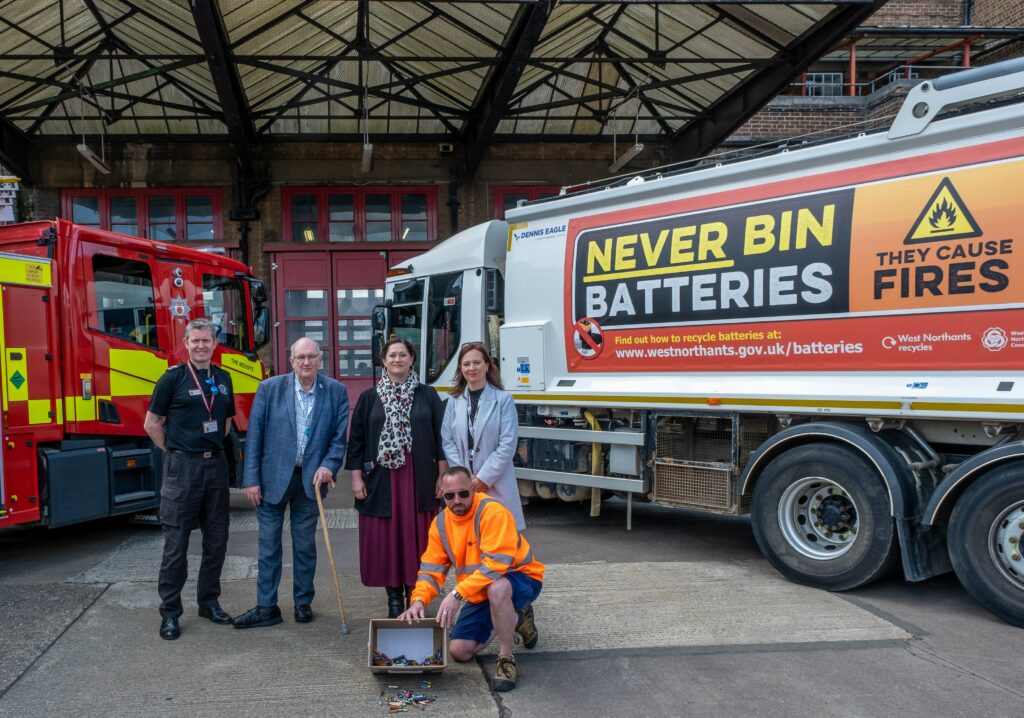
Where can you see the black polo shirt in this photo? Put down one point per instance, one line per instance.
(176, 397)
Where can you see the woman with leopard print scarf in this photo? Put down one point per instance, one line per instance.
(395, 456)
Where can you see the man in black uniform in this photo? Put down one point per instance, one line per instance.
(189, 415)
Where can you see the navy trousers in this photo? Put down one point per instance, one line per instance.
(304, 514)
(194, 494)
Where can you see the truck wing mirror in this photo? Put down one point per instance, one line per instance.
(259, 292)
(379, 325)
(261, 321)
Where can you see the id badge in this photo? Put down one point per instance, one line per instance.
(210, 427)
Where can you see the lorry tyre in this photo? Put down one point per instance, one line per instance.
(985, 534)
(821, 516)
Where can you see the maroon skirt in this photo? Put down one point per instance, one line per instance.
(390, 548)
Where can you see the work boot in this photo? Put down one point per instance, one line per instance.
(506, 674)
(408, 594)
(526, 628)
(396, 601)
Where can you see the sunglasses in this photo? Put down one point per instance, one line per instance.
(450, 495)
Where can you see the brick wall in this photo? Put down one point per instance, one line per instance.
(999, 13)
(919, 12)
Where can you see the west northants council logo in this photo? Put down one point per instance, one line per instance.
(179, 308)
(944, 217)
(994, 339)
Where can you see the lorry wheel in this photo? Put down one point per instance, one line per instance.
(821, 516)
(986, 531)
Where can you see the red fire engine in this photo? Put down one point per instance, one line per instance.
(89, 320)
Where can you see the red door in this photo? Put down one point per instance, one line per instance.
(358, 288)
(302, 287)
(328, 297)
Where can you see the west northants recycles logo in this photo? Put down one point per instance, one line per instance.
(944, 217)
(994, 339)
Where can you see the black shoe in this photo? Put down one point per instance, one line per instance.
(215, 613)
(303, 613)
(259, 616)
(169, 629)
(408, 595)
(396, 601)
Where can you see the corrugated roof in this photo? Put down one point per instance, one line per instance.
(468, 72)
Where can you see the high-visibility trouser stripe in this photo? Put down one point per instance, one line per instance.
(429, 579)
(500, 558)
(435, 567)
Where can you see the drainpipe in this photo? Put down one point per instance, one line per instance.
(852, 91)
(453, 203)
(968, 4)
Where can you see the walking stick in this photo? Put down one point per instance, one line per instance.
(330, 557)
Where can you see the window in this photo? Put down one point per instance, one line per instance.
(355, 350)
(341, 216)
(359, 214)
(414, 218)
(124, 299)
(124, 216)
(824, 84)
(305, 312)
(408, 316)
(444, 309)
(165, 215)
(508, 197)
(162, 219)
(224, 306)
(86, 210)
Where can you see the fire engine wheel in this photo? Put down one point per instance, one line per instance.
(986, 533)
(821, 517)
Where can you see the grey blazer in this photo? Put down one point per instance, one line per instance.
(495, 438)
(271, 441)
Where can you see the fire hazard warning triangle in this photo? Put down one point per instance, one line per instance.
(943, 218)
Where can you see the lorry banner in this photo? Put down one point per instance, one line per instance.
(911, 273)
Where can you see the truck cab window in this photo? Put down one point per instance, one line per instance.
(224, 305)
(444, 311)
(408, 317)
(124, 300)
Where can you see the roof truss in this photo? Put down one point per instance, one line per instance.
(684, 72)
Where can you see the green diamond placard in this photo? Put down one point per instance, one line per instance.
(17, 379)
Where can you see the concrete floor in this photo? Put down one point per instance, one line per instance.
(679, 617)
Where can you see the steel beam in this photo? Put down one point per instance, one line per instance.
(213, 37)
(13, 149)
(493, 100)
(724, 117)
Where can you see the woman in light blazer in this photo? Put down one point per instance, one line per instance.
(481, 430)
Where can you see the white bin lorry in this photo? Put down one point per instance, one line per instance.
(830, 339)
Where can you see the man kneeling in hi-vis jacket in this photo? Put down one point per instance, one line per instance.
(496, 576)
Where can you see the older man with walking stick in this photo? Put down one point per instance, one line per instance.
(296, 442)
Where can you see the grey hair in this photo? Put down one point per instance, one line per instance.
(291, 349)
(202, 323)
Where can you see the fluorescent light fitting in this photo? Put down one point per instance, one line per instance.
(367, 163)
(626, 157)
(94, 159)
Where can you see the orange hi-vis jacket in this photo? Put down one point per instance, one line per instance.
(482, 546)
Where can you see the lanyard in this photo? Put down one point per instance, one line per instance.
(202, 394)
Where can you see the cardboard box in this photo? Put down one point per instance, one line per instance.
(416, 642)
